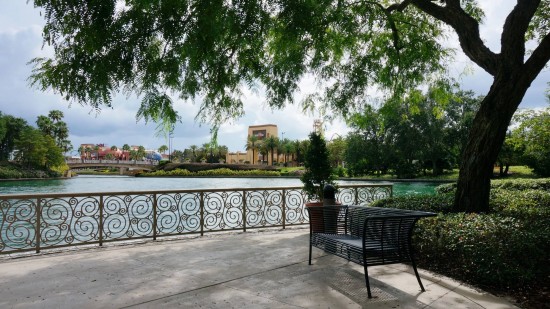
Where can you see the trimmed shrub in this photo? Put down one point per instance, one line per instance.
(521, 204)
(442, 203)
(487, 250)
(504, 250)
(446, 188)
(512, 184)
(522, 184)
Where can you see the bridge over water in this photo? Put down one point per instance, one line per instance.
(122, 165)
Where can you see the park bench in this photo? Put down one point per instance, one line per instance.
(368, 236)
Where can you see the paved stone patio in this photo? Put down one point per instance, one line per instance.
(258, 269)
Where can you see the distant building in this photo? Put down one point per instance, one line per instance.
(261, 132)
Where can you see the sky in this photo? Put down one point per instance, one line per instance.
(20, 41)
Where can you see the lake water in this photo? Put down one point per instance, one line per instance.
(85, 183)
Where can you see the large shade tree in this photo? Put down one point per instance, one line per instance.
(210, 49)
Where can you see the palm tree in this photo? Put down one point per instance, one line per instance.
(222, 151)
(194, 151)
(163, 149)
(264, 151)
(55, 115)
(88, 152)
(287, 149)
(271, 143)
(296, 154)
(96, 149)
(45, 125)
(252, 144)
(141, 152)
(126, 148)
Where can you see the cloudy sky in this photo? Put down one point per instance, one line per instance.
(20, 41)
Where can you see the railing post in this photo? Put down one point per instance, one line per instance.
(356, 189)
(100, 223)
(244, 210)
(284, 208)
(38, 213)
(154, 216)
(201, 203)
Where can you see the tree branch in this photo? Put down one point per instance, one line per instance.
(398, 6)
(539, 58)
(467, 29)
(513, 34)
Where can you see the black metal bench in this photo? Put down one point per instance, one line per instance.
(365, 235)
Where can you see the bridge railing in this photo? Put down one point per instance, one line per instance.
(124, 162)
(45, 221)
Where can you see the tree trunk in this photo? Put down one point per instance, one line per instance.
(485, 140)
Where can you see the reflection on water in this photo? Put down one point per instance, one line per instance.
(89, 183)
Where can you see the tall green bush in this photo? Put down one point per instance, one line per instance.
(506, 249)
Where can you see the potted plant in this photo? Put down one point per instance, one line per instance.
(318, 172)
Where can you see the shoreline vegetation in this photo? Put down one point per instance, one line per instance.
(11, 171)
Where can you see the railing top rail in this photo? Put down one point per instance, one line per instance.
(85, 194)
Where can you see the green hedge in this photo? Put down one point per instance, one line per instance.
(427, 202)
(488, 250)
(504, 250)
(512, 184)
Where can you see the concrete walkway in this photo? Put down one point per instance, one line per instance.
(242, 270)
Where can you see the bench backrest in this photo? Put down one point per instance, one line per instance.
(327, 219)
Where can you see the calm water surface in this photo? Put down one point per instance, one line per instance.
(85, 183)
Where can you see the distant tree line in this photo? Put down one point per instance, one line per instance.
(428, 135)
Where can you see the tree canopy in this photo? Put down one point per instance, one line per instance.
(209, 50)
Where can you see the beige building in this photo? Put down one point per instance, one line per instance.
(235, 157)
(261, 132)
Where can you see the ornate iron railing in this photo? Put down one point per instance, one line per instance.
(41, 221)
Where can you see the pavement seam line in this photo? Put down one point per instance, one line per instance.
(269, 298)
(212, 285)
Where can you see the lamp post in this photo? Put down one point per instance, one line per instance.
(170, 136)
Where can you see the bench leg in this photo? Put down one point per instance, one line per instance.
(310, 253)
(367, 280)
(417, 276)
(310, 241)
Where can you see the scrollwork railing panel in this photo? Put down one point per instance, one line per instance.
(18, 225)
(223, 210)
(65, 221)
(263, 208)
(367, 195)
(295, 213)
(83, 218)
